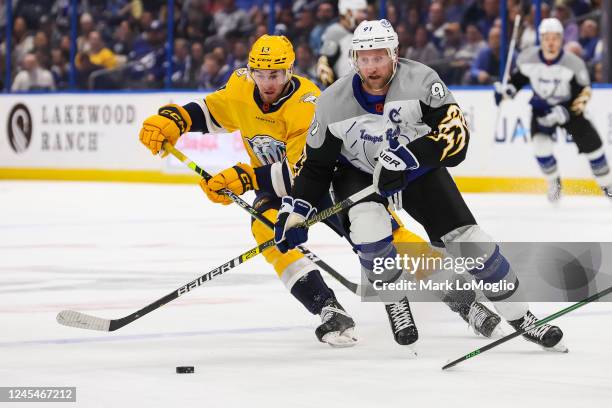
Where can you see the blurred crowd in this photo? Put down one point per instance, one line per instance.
(121, 44)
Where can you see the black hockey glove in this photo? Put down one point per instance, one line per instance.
(391, 171)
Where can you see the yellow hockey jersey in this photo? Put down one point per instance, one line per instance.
(269, 131)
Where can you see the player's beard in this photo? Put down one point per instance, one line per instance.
(269, 96)
(375, 82)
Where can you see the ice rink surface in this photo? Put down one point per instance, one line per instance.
(109, 249)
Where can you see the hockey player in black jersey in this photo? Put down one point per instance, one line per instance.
(394, 123)
(561, 90)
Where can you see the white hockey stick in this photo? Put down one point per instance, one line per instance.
(506, 76)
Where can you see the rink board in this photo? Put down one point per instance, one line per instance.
(93, 136)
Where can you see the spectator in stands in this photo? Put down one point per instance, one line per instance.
(32, 77)
(98, 53)
(575, 48)
(485, 69)
(564, 14)
(305, 63)
(196, 23)
(42, 49)
(451, 68)
(528, 34)
(598, 72)
(404, 37)
(325, 17)
(60, 69)
(589, 37)
(491, 12)
(148, 57)
(302, 28)
(240, 55)
(197, 59)
(181, 65)
(413, 19)
(86, 26)
(84, 69)
(454, 11)
(435, 26)
(422, 50)
(214, 72)
(123, 38)
(473, 44)
(231, 18)
(23, 41)
(392, 14)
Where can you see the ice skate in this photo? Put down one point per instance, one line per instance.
(547, 336)
(337, 327)
(483, 321)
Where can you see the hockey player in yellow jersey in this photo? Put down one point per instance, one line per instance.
(273, 109)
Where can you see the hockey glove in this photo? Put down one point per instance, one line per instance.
(239, 179)
(391, 171)
(169, 124)
(325, 73)
(503, 91)
(558, 115)
(292, 212)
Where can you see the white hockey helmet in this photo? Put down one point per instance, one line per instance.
(550, 25)
(375, 35)
(345, 5)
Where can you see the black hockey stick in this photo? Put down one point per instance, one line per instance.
(84, 321)
(353, 287)
(533, 326)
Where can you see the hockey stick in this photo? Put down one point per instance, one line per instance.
(85, 321)
(353, 287)
(533, 326)
(506, 76)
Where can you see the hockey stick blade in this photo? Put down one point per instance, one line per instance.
(71, 318)
(182, 157)
(84, 321)
(533, 326)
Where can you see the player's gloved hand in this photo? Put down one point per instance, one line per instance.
(169, 124)
(558, 115)
(390, 173)
(292, 212)
(503, 91)
(239, 179)
(325, 73)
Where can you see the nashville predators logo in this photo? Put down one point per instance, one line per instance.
(452, 130)
(267, 149)
(309, 97)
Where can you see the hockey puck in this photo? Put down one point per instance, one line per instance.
(185, 370)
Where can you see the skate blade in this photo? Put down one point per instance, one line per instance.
(557, 348)
(340, 340)
(498, 332)
(411, 351)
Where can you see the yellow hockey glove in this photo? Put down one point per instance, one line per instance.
(169, 124)
(239, 179)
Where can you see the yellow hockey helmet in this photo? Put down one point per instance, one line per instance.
(271, 52)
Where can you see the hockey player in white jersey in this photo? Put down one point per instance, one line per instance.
(561, 90)
(333, 61)
(395, 124)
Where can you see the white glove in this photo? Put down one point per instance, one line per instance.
(504, 91)
(558, 116)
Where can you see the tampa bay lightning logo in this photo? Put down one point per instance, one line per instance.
(267, 149)
(385, 23)
(394, 115)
